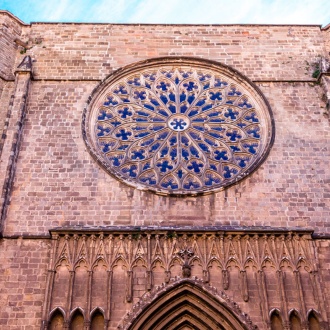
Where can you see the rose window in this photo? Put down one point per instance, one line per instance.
(178, 126)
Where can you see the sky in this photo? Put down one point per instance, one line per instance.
(172, 11)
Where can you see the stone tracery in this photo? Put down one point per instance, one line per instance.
(179, 127)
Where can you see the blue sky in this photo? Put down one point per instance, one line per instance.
(172, 11)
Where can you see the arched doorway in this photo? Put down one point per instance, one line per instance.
(187, 305)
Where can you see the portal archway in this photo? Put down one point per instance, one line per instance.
(188, 304)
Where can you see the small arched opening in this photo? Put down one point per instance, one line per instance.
(56, 320)
(77, 320)
(276, 320)
(97, 320)
(313, 321)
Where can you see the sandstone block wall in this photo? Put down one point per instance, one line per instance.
(56, 183)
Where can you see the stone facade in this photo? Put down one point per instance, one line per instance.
(81, 249)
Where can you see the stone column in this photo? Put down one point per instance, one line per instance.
(14, 127)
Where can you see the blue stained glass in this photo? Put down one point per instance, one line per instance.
(142, 134)
(234, 92)
(242, 162)
(193, 113)
(245, 104)
(154, 147)
(195, 136)
(191, 184)
(146, 166)
(103, 130)
(217, 120)
(203, 77)
(183, 108)
(228, 172)
(199, 128)
(215, 96)
(164, 98)
(213, 167)
(251, 147)
(120, 90)
(158, 119)
(183, 97)
(191, 85)
(148, 106)
(191, 98)
(163, 86)
(115, 123)
(234, 135)
(125, 113)
(138, 154)
(157, 128)
(131, 171)
(204, 147)
(199, 120)
(164, 166)
(173, 140)
(173, 153)
(214, 114)
(162, 136)
(164, 151)
(163, 112)
(254, 132)
(179, 173)
(232, 114)
(216, 135)
(106, 147)
(104, 115)
(211, 179)
(200, 102)
(134, 81)
(184, 140)
(192, 125)
(210, 142)
(172, 108)
(141, 95)
(221, 155)
(170, 184)
(219, 83)
(185, 153)
(123, 147)
(194, 151)
(207, 107)
(235, 148)
(154, 102)
(218, 128)
(172, 97)
(116, 160)
(111, 101)
(252, 117)
(148, 179)
(142, 113)
(195, 166)
(141, 120)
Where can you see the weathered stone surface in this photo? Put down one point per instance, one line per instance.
(274, 224)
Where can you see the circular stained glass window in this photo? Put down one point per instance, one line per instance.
(178, 126)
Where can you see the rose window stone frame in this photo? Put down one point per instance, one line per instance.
(178, 126)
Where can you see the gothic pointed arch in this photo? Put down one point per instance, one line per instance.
(186, 302)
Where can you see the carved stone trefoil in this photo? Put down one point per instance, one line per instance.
(186, 255)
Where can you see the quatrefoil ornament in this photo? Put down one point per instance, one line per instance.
(178, 126)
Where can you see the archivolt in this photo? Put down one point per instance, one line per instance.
(188, 303)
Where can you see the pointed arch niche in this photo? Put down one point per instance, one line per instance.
(187, 305)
